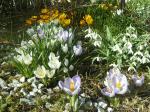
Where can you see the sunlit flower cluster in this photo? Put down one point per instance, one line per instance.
(87, 20)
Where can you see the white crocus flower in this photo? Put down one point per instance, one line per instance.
(51, 73)
(27, 59)
(64, 48)
(54, 62)
(119, 11)
(40, 72)
(77, 50)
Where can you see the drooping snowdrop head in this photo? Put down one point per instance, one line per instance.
(138, 81)
(77, 49)
(71, 85)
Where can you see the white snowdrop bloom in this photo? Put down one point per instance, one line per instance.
(71, 67)
(54, 62)
(77, 50)
(119, 11)
(50, 73)
(117, 48)
(66, 62)
(64, 48)
(40, 72)
(22, 79)
(34, 90)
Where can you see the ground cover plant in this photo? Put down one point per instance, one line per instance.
(79, 56)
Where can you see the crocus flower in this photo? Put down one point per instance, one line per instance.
(54, 62)
(40, 33)
(115, 82)
(71, 85)
(77, 49)
(138, 81)
(64, 35)
(40, 72)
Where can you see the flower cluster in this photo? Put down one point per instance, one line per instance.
(52, 50)
(47, 15)
(87, 19)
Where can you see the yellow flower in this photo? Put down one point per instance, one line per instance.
(28, 21)
(33, 18)
(46, 21)
(40, 21)
(66, 22)
(62, 16)
(82, 22)
(44, 17)
(45, 10)
(88, 19)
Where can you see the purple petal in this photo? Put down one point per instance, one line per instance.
(67, 82)
(77, 81)
(108, 92)
(67, 91)
(76, 91)
(61, 84)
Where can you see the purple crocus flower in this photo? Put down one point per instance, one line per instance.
(64, 35)
(40, 33)
(115, 82)
(71, 85)
(138, 81)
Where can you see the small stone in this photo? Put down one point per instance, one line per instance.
(102, 104)
(22, 79)
(109, 109)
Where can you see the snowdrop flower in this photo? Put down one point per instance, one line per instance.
(54, 62)
(117, 48)
(138, 81)
(77, 49)
(71, 85)
(64, 48)
(40, 72)
(119, 11)
(115, 82)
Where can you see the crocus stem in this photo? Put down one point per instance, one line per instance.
(74, 103)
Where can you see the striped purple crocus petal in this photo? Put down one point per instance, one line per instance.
(71, 85)
(138, 81)
(108, 92)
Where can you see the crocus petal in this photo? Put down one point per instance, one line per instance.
(76, 91)
(67, 91)
(77, 81)
(138, 80)
(67, 82)
(108, 92)
(61, 84)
